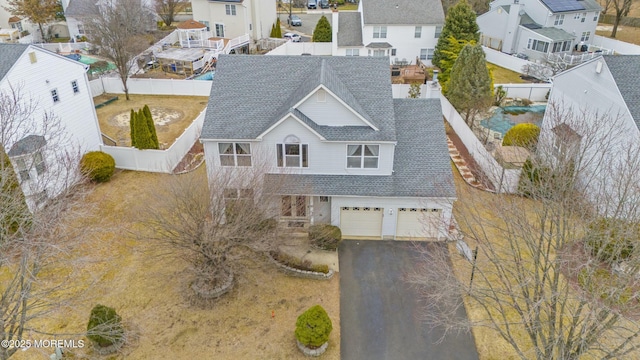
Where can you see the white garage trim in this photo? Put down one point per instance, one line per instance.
(418, 223)
(361, 222)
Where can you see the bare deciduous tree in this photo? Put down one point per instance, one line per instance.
(544, 279)
(167, 9)
(35, 246)
(213, 225)
(621, 9)
(119, 28)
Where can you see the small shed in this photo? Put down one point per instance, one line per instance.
(186, 61)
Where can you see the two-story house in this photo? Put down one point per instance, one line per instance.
(403, 30)
(349, 154)
(53, 121)
(539, 27)
(77, 12)
(233, 18)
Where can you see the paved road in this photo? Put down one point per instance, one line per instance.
(309, 22)
(378, 310)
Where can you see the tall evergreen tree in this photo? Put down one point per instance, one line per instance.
(470, 89)
(273, 31)
(450, 56)
(132, 126)
(322, 32)
(152, 126)
(459, 23)
(141, 132)
(278, 29)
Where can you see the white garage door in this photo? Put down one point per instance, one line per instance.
(361, 222)
(418, 224)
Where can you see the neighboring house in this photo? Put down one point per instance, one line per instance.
(539, 27)
(403, 30)
(606, 86)
(233, 18)
(77, 10)
(343, 150)
(39, 155)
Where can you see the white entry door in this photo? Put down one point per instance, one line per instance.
(418, 224)
(361, 222)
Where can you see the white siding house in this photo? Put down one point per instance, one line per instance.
(402, 30)
(604, 100)
(233, 18)
(539, 27)
(341, 146)
(58, 86)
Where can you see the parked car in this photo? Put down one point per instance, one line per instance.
(324, 4)
(312, 4)
(292, 36)
(294, 20)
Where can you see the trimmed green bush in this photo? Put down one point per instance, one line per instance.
(105, 326)
(525, 135)
(322, 32)
(98, 166)
(313, 327)
(325, 236)
(151, 125)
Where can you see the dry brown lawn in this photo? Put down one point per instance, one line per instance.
(149, 293)
(625, 33)
(505, 76)
(171, 114)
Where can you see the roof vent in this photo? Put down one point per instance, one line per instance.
(598, 67)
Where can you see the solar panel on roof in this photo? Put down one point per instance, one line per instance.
(563, 5)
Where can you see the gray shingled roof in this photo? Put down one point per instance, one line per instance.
(554, 34)
(625, 70)
(79, 8)
(250, 93)
(10, 53)
(379, 45)
(27, 145)
(349, 29)
(402, 12)
(421, 162)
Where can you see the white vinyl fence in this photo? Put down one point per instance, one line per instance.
(151, 86)
(618, 46)
(427, 91)
(299, 48)
(505, 60)
(162, 161)
(504, 180)
(533, 92)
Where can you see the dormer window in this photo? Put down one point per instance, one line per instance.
(321, 96)
(362, 156)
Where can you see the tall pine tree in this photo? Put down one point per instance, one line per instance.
(132, 122)
(460, 24)
(278, 29)
(470, 90)
(152, 126)
(322, 32)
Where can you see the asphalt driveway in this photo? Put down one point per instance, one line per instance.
(378, 310)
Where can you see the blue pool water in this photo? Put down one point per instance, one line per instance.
(505, 118)
(205, 76)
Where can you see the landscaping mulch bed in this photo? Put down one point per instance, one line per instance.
(191, 160)
(471, 163)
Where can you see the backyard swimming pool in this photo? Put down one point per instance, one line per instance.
(504, 118)
(205, 76)
(88, 60)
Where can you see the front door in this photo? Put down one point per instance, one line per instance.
(294, 206)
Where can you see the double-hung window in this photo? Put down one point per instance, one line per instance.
(293, 155)
(438, 31)
(363, 156)
(426, 54)
(353, 52)
(75, 87)
(559, 20)
(54, 96)
(418, 32)
(235, 154)
(379, 32)
(585, 36)
(230, 9)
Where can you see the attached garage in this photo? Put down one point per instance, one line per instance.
(418, 223)
(361, 222)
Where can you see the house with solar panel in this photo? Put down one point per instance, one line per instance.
(335, 146)
(403, 30)
(536, 28)
(55, 121)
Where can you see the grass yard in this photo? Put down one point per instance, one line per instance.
(625, 33)
(148, 291)
(504, 76)
(172, 114)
